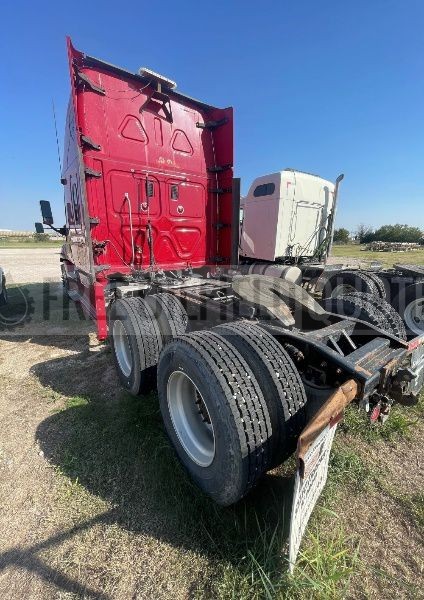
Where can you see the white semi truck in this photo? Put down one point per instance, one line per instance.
(287, 228)
(288, 217)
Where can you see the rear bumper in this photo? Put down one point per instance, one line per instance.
(389, 371)
(384, 365)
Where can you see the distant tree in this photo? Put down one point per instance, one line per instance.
(368, 237)
(364, 234)
(398, 233)
(341, 236)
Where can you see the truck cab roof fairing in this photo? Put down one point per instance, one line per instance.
(153, 158)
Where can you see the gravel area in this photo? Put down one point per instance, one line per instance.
(30, 265)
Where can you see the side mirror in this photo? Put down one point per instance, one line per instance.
(46, 212)
(39, 228)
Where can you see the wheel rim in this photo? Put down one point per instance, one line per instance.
(414, 316)
(122, 348)
(342, 289)
(190, 418)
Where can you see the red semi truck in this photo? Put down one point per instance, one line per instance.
(249, 368)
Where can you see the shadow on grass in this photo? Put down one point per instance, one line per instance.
(27, 558)
(41, 313)
(116, 447)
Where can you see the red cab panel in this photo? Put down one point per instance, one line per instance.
(142, 157)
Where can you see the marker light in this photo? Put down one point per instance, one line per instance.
(145, 72)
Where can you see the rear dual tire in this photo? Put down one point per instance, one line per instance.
(136, 343)
(231, 399)
(139, 329)
(278, 379)
(370, 309)
(227, 458)
(249, 401)
(348, 282)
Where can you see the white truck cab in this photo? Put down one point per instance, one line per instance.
(286, 215)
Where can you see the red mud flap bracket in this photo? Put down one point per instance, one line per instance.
(313, 453)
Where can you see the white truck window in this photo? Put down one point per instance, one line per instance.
(265, 189)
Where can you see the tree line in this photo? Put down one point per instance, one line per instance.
(386, 233)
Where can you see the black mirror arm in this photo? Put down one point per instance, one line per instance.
(60, 230)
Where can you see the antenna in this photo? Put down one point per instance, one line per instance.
(57, 138)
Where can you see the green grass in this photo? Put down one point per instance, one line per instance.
(416, 505)
(388, 259)
(323, 569)
(29, 244)
(116, 454)
(346, 469)
(75, 402)
(400, 423)
(110, 453)
(120, 454)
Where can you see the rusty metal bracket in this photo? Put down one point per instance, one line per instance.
(87, 141)
(83, 80)
(160, 98)
(212, 124)
(227, 190)
(221, 225)
(219, 168)
(91, 172)
(329, 414)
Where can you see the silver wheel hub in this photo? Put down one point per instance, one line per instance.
(414, 316)
(190, 418)
(122, 347)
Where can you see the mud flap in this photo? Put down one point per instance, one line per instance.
(313, 454)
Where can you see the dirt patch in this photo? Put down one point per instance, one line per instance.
(30, 265)
(381, 513)
(95, 505)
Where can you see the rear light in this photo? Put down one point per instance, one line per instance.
(375, 413)
(336, 418)
(413, 344)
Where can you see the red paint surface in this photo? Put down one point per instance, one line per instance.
(139, 144)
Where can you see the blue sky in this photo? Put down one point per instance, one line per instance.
(321, 86)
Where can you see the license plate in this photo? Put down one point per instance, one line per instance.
(307, 488)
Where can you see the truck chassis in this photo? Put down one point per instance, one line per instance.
(244, 364)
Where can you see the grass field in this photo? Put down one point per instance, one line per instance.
(29, 244)
(343, 251)
(415, 257)
(96, 505)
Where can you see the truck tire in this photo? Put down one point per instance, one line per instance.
(136, 344)
(215, 414)
(170, 314)
(345, 282)
(279, 381)
(360, 307)
(395, 323)
(379, 284)
(410, 305)
(3, 295)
